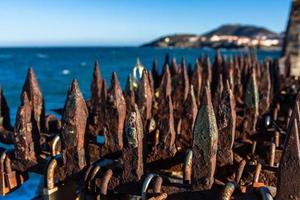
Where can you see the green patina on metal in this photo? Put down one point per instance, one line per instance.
(252, 95)
(206, 132)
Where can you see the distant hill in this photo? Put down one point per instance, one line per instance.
(205, 40)
(241, 30)
(176, 40)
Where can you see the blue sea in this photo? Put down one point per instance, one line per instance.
(56, 67)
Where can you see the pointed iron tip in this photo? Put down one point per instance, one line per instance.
(25, 98)
(74, 87)
(30, 74)
(206, 97)
(114, 77)
(96, 63)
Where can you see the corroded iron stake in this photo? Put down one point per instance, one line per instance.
(132, 154)
(73, 131)
(205, 140)
(226, 122)
(289, 173)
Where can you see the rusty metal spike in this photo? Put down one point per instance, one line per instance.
(186, 82)
(155, 74)
(165, 84)
(166, 61)
(206, 95)
(166, 127)
(96, 119)
(133, 152)
(169, 137)
(190, 70)
(219, 58)
(230, 74)
(295, 114)
(265, 89)
(184, 139)
(180, 91)
(103, 92)
(288, 183)
(291, 39)
(25, 139)
(207, 70)
(8, 165)
(116, 112)
(32, 88)
(183, 62)
(96, 84)
(151, 82)
(205, 140)
(144, 97)
(218, 93)
(196, 81)
(4, 112)
(73, 130)
(226, 123)
(252, 101)
(129, 93)
(74, 118)
(216, 71)
(173, 67)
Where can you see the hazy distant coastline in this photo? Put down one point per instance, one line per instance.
(226, 36)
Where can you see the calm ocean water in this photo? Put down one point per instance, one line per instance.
(56, 67)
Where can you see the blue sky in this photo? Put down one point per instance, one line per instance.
(127, 22)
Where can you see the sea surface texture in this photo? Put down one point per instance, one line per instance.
(56, 67)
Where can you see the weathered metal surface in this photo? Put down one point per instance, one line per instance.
(132, 154)
(226, 123)
(165, 140)
(25, 139)
(188, 117)
(252, 101)
(180, 91)
(265, 88)
(96, 85)
(171, 126)
(155, 74)
(196, 81)
(205, 140)
(165, 87)
(35, 97)
(116, 113)
(173, 67)
(291, 48)
(4, 112)
(145, 97)
(289, 173)
(217, 69)
(73, 131)
(129, 93)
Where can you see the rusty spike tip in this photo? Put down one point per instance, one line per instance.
(31, 80)
(25, 99)
(114, 79)
(97, 73)
(96, 64)
(104, 87)
(74, 85)
(145, 74)
(97, 81)
(167, 70)
(206, 96)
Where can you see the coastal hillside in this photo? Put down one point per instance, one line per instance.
(226, 36)
(241, 31)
